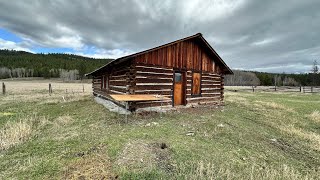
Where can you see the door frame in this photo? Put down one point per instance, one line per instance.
(184, 85)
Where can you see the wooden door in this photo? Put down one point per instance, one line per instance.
(179, 88)
(196, 84)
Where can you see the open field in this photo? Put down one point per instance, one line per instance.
(67, 135)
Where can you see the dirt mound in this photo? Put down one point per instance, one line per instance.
(139, 155)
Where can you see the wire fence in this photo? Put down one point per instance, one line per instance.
(298, 89)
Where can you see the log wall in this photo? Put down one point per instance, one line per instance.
(211, 89)
(152, 80)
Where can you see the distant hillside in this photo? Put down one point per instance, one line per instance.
(24, 64)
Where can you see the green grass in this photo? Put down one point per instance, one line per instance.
(255, 136)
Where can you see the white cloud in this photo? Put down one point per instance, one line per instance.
(102, 53)
(13, 46)
(210, 10)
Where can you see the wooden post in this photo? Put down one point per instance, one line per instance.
(311, 89)
(50, 88)
(300, 89)
(83, 88)
(3, 88)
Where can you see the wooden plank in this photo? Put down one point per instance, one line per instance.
(156, 104)
(161, 92)
(138, 97)
(152, 70)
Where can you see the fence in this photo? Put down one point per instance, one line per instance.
(299, 89)
(8, 88)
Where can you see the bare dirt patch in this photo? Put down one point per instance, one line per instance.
(139, 155)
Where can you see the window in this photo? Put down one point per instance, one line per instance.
(177, 77)
(196, 84)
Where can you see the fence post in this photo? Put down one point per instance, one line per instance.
(311, 89)
(300, 89)
(50, 88)
(83, 88)
(3, 88)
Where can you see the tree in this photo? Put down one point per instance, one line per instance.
(314, 71)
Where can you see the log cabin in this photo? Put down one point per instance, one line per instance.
(186, 72)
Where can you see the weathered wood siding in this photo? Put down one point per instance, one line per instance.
(211, 89)
(120, 80)
(187, 55)
(152, 80)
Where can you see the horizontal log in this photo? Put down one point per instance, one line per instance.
(149, 80)
(210, 91)
(204, 99)
(160, 92)
(152, 87)
(210, 78)
(204, 95)
(211, 86)
(120, 77)
(118, 88)
(153, 74)
(210, 74)
(210, 82)
(118, 83)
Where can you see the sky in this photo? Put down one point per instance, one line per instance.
(270, 36)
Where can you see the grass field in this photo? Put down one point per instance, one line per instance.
(69, 136)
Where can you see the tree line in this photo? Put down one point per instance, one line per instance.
(24, 64)
(252, 78)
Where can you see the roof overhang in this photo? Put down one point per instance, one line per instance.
(227, 70)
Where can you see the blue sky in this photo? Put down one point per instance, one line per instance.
(271, 36)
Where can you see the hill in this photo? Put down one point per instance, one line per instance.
(25, 64)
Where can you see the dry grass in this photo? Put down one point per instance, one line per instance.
(37, 91)
(93, 164)
(274, 105)
(25, 87)
(312, 137)
(59, 127)
(14, 133)
(203, 170)
(315, 116)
